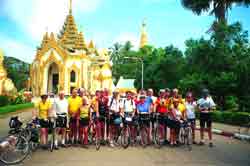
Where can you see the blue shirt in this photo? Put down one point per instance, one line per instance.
(144, 107)
(149, 99)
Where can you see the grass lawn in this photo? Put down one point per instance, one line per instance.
(13, 108)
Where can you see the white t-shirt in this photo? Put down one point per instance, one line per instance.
(190, 109)
(61, 106)
(178, 114)
(128, 105)
(114, 104)
(206, 104)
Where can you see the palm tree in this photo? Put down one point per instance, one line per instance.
(115, 52)
(219, 8)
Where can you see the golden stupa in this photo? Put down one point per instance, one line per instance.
(67, 61)
(144, 35)
(6, 85)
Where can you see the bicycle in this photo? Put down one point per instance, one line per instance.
(185, 134)
(93, 129)
(126, 130)
(16, 147)
(159, 130)
(52, 132)
(144, 120)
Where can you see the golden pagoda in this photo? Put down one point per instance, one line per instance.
(144, 35)
(65, 61)
(6, 85)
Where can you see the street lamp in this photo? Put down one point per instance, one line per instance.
(142, 67)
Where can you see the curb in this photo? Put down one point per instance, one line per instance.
(230, 134)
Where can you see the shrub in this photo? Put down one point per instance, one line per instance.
(240, 118)
(231, 103)
(217, 116)
(4, 100)
(229, 117)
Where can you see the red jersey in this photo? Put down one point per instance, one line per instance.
(161, 105)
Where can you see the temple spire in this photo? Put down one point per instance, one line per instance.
(144, 35)
(70, 6)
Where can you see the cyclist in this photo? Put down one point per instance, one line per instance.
(191, 106)
(115, 116)
(144, 108)
(83, 94)
(161, 107)
(61, 109)
(103, 110)
(150, 94)
(128, 109)
(175, 117)
(73, 109)
(44, 107)
(206, 105)
(152, 99)
(168, 104)
(84, 121)
(94, 113)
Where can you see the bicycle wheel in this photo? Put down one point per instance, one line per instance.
(125, 136)
(52, 141)
(144, 136)
(33, 146)
(97, 143)
(26, 133)
(91, 134)
(97, 137)
(189, 138)
(17, 153)
(182, 136)
(157, 136)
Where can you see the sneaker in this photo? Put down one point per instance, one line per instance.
(112, 145)
(56, 148)
(166, 142)
(194, 142)
(211, 145)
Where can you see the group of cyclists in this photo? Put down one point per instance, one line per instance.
(75, 113)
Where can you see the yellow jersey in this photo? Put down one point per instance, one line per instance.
(43, 109)
(84, 111)
(182, 108)
(94, 104)
(74, 104)
(181, 105)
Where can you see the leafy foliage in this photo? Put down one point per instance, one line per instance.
(220, 63)
(219, 8)
(17, 70)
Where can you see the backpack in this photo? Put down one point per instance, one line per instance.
(15, 123)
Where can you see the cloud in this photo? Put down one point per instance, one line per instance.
(17, 49)
(128, 36)
(37, 16)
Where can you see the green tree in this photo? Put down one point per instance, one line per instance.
(218, 8)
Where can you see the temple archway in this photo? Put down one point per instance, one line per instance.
(53, 78)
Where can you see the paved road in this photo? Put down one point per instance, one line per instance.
(228, 152)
